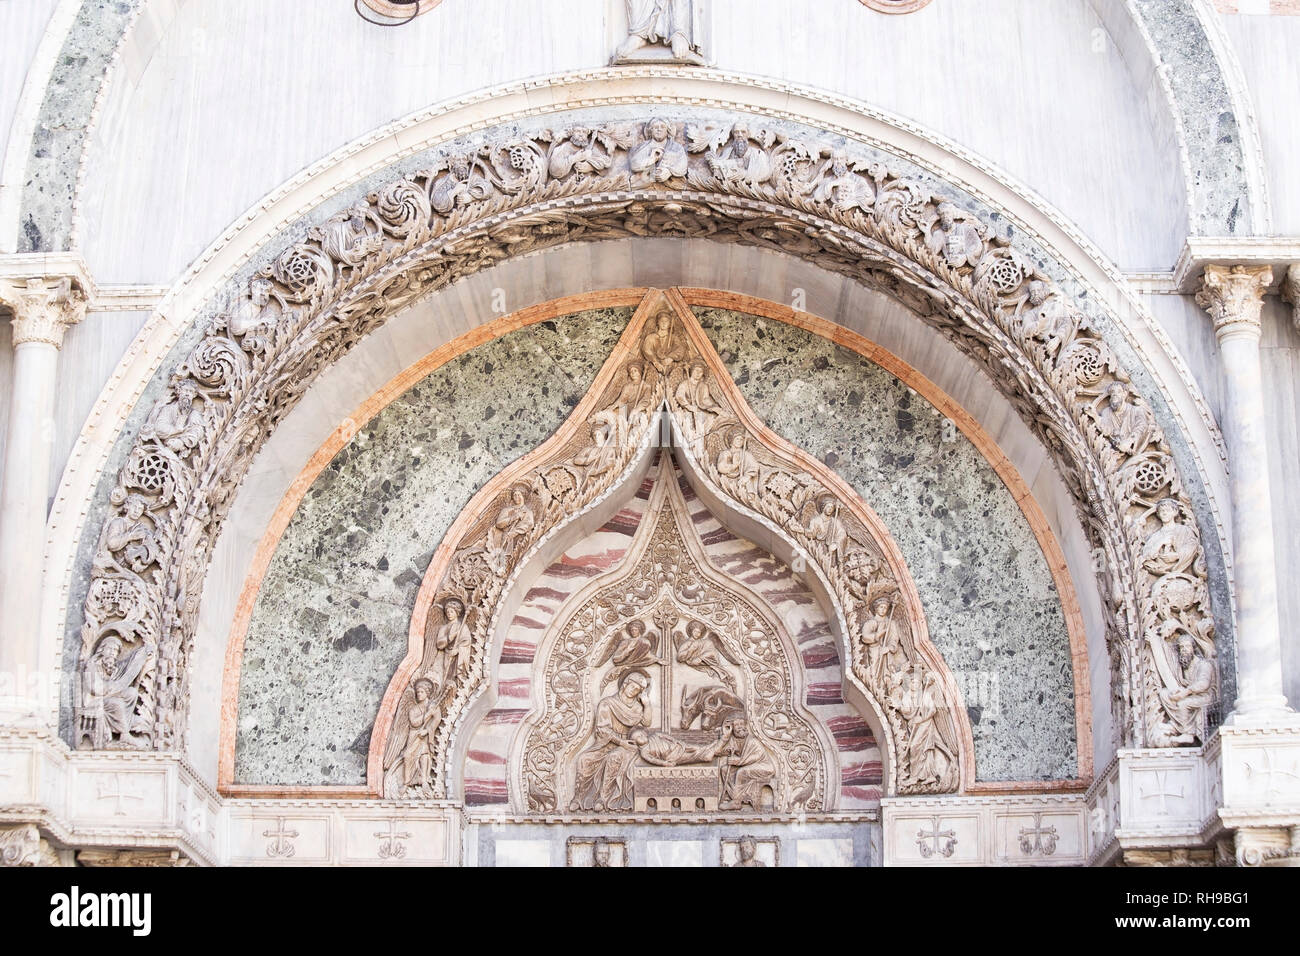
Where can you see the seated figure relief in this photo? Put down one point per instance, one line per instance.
(695, 713)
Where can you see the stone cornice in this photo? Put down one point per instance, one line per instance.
(99, 298)
(1234, 296)
(1200, 251)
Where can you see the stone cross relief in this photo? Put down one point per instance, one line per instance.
(117, 793)
(1271, 772)
(934, 840)
(391, 846)
(664, 364)
(281, 843)
(1038, 838)
(1161, 792)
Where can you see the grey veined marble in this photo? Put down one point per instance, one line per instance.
(990, 601)
(330, 623)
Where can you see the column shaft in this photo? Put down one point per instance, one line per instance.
(1234, 296)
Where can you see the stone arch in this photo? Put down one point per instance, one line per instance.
(663, 360)
(797, 192)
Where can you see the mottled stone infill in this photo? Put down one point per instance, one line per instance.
(1219, 200)
(83, 66)
(330, 623)
(990, 602)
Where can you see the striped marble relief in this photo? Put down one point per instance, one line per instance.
(487, 755)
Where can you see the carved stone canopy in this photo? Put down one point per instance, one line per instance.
(664, 364)
(731, 179)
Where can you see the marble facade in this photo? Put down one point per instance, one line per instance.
(943, 467)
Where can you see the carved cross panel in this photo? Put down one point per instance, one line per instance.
(665, 363)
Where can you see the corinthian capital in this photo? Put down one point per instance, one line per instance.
(43, 308)
(1234, 295)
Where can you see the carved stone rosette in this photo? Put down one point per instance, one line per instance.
(730, 180)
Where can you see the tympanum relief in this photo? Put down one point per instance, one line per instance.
(671, 690)
(677, 689)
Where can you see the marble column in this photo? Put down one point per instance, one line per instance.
(1233, 296)
(43, 309)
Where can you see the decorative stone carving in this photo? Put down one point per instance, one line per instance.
(43, 308)
(685, 725)
(1234, 297)
(735, 158)
(749, 851)
(662, 31)
(658, 158)
(22, 846)
(1267, 846)
(935, 840)
(133, 857)
(595, 852)
(1177, 856)
(1038, 838)
(885, 230)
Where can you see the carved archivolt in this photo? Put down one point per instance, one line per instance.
(731, 180)
(664, 361)
(668, 687)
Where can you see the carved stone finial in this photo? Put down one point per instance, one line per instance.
(43, 308)
(1291, 292)
(1234, 295)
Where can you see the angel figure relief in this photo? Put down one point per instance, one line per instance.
(411, 740)
(453, 641)
(700, 647)
(629, 647)
(699, 409)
